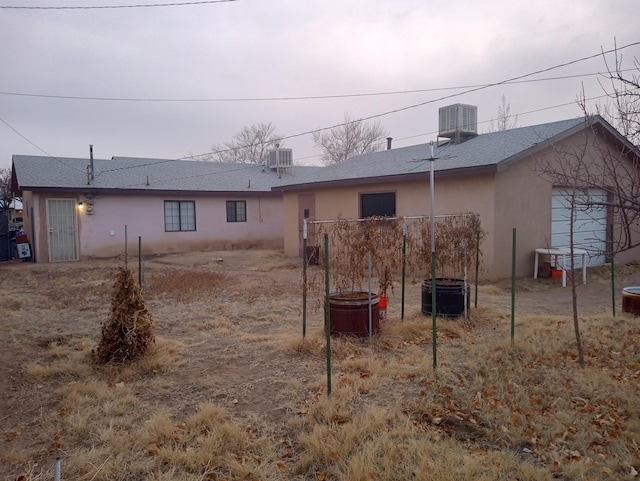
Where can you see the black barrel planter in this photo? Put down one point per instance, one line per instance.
(350, 313)
(449, 297)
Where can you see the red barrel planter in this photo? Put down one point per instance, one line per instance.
(631, 300)
(349, 313)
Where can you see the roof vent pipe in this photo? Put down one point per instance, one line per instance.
(389, 139)
(91, 157)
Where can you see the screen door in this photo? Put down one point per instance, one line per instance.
(62, 230)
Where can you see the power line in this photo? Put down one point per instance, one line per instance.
(398, 139)
(483, 87)
(235, 169)
(98, 7)
(514, 115)
(469, 90)
(275, 99)
(37, 146)
(164, 161)
(194, 156)
(247, 166)
(439, 99)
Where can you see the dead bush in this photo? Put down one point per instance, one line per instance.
(127, 334)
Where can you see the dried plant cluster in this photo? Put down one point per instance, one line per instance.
(127, 334)
(349, 244)
(458, 238)
(457, 244)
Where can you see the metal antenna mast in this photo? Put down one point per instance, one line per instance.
(433, 257)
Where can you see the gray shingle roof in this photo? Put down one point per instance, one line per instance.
(482, 151)
(125, 173)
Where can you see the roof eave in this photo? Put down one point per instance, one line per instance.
(526, 153)
(398, 178)
(596, 123)
(93, 190)
(603, 127)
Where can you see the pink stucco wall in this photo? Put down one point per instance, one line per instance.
(102, 234)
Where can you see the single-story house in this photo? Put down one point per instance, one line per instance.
(497, 175)
(78, 208)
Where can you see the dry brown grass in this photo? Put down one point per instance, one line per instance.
(231, 390)
(184, 284)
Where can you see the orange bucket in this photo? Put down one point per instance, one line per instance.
(556, 273)
(383, 307)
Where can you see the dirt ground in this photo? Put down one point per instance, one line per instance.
(259, 307)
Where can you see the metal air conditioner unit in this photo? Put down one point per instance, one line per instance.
(280, 159)
(458, 122)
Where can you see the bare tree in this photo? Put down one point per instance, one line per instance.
(622, 87)
(352, 137)
(567, 168)
(6, 195)
(615, 171)
(249, 146)
(590, 163)
(603, 160)
(505, 120)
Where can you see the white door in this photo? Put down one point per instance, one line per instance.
(62, 230)
(589, 224)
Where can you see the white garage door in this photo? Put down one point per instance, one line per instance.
(589, 227)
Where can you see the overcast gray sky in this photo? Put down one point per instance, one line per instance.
(265, 50)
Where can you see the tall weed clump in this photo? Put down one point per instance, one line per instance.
(127, 334)
(457, 244)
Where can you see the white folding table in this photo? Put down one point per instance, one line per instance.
(563, 253)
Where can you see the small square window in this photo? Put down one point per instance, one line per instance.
(383, 205)
(236, 211)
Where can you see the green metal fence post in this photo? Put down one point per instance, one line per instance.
(327, 310)
(513, 286)
(304, 284)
